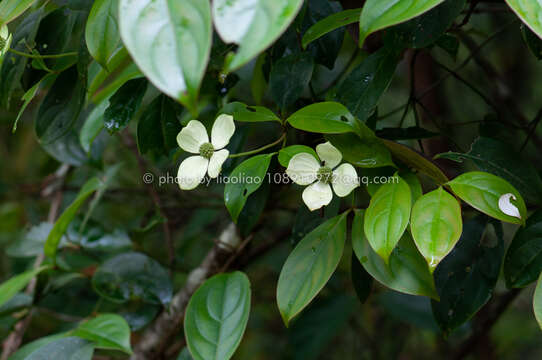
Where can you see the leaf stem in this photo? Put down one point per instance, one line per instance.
(255, 151)
(32, 56)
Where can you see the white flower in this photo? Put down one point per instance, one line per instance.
(507, 207)
(193, 138)
(304, 169)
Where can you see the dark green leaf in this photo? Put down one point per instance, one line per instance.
(306, 220)
(158, 126)
(523, 261)
(185, 355)
(32, 242)
(253, 209)
(217, 315)
(309, 266)
(289, 77)
(245, 113)
(18, 302)
(533, 42)
(124, 104)
(132, 276)
(409, 309)
(364, 86)
(365, 150)
(106, 331)
(330, 23)
(450, 44)
(324, 117)
(243, 181)
(407, 271)
(68, 348)
(102, 32)
(10, 9)
(465, 279)
(361, 279)
(93, 125)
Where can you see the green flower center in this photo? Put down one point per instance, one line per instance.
(206, 150)
(324, 174)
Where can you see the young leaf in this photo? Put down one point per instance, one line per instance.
(252, 24)
(537, 302)
(67, 216)
(124, 104)
(529, 12)
(243, 181)
(158, 127)
(106, 331)
(491, 195)
(289, 77)
(364, 86)
(102, 32)
(217, 315)
(436, 225)
(387, 217)
(132, 276)
(523, 261)
(407, 270)
(285, 154)
(379, 14)
(465, 280)
(309, 266)
(169, 41)
(330, 23)
(11, 9)
(324, 117)
(9, 288)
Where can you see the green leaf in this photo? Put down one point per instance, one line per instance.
(102, 32)
(407, 271)
(289, 77)
(25, 351)
(11, 9)
(246, 178)
(408, 309)
(287, 153)
(61, 107)
(51, 245)
(534, 43)
(9, 288)
(253, 25)
(483, 191)
(93, 125)
(306, 220)
(133, 276)
(158, 126)
(379, 14)
(416, 161)
(364, 86)
(124, 104)
(106, 331)
(363, 150)
(62, 348)
(361, 279)
(465, 280)
(387, 217)
(185, 355)
(537, 302)
(32, 242)
(436, 225)
(18, 302)
(170, 41)
(330, 23)
(324, 117)
(529, 12)
(523, 261)
(500, 159)
(217, 315)
(244, 113)
(28, 96)
(415, 185)
(309, 266)
(258, 83)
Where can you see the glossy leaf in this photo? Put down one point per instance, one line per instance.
(537, 302)
(11, 9)
(289, 77)
(500, 159)
(61, 225)
(9, 288)
(102, 32)
(217, 315)
(309, 266)
(466, 278)
(330, 23)
(406, 271)
(244, 113)
(169, 41)
(436, 225)
(364, 86)
(484, 192)
(132, 276)
(379, 14)
(247, 178)
(124, 104)
(106, 331)
(158, 127)
(523, 261)
(93, 125)
(387, 217)
(252, 24)
(287, 153)
(324, 117)
(415, 185)
(416, 161)
(365, 151)
(529, 12)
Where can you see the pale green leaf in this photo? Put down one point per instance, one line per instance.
(102, 32)
(11, 9)
(106, 331)
(530, 12)
(12, 286)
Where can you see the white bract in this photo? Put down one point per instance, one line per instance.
(193, 138)
(507, 207)
(319, 174)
